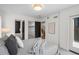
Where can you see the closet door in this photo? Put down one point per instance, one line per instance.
(37, 29)
(0, 26)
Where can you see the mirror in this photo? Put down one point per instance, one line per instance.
(20, 28)
(31, 29)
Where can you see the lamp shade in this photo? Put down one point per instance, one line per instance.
(5, 30)
(37, 7)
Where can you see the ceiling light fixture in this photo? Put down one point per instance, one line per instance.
(37, 7)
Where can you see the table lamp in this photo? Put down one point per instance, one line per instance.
(5, 31)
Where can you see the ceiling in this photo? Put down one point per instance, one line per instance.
(26, 9)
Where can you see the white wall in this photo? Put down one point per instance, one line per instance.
(63, 30)
(8, 20)
(65, 19)
(1, 17)
(52, 38)
(0, 26)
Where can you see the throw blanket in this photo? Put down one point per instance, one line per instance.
(38, 46)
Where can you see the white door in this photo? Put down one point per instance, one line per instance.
(52, 37)
(52, 34)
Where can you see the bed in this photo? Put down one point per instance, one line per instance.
(20, 51)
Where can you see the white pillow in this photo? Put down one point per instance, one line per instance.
(19, 42)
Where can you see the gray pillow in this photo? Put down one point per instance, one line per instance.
(11, 45)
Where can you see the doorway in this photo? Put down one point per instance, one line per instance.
(36, 29)
(20, 28)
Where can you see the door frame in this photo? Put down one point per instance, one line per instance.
(71, 34)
